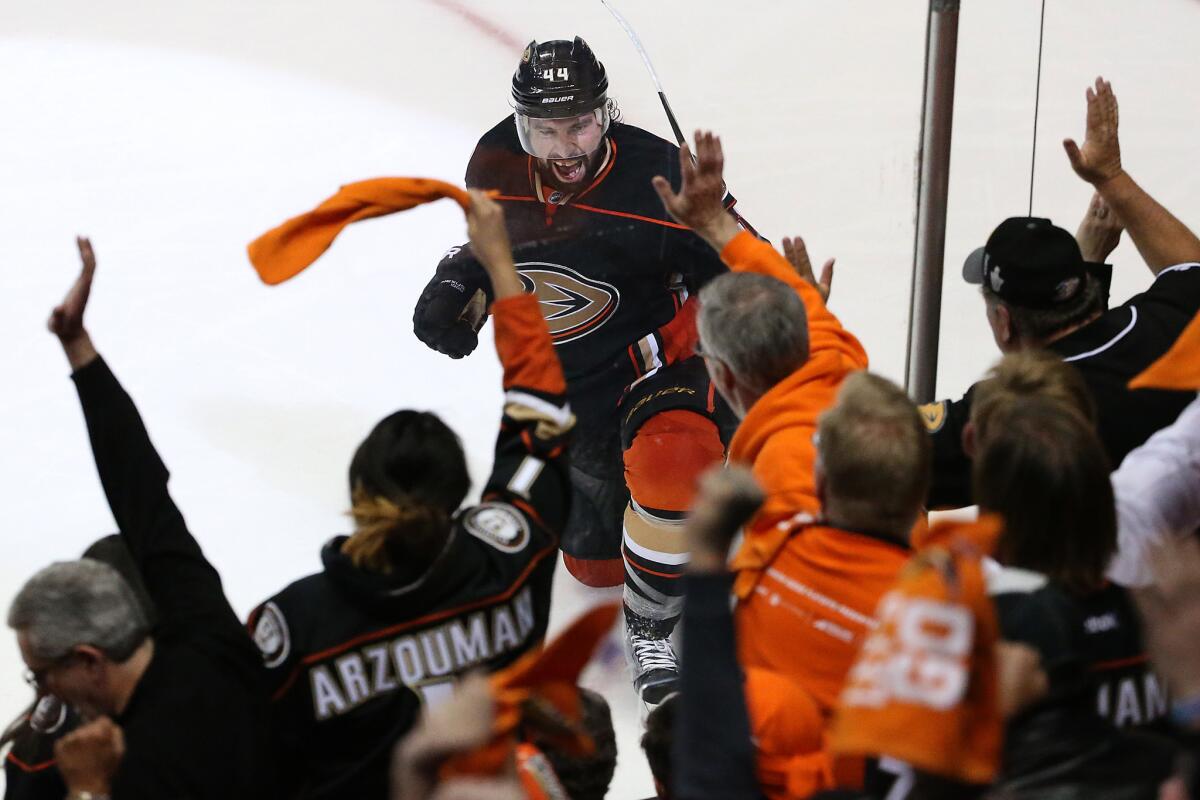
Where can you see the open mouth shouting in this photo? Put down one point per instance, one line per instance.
(569, 170)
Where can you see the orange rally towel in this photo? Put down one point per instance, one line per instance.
(1179, 368)
(924, 687)
(538, 697)
(283, 252)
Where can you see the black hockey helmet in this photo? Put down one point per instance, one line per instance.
(560, 80)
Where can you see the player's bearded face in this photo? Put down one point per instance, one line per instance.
(566, 148)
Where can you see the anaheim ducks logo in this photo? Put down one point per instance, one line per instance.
(934, 415)
(573, 305)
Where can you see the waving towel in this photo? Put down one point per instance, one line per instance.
(539, 693)
(924, 687)
(284, 252)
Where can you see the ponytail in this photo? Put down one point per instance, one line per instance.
(391, 534)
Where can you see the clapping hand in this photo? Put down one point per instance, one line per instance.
(1099, 160)
(1100, 231)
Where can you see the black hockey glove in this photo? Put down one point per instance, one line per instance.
(453, 307)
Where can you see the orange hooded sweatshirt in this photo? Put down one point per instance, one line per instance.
(807, 592)
(776, 436)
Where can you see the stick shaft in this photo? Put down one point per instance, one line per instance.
(671, 118)
(662, 95)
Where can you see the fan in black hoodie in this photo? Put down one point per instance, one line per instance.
(419, 595)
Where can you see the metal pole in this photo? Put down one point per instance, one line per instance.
(925, 308)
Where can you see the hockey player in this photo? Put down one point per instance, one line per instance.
(613, 274)
(418, 595)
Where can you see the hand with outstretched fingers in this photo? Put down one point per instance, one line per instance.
(796, 253)
(1099, 159)
(700, 201)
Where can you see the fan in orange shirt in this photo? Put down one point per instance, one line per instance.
(832, 536)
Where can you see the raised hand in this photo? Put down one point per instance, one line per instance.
(699, 204)
(66, 320)
(797, 254)
(1099, 159)
(1099, 232)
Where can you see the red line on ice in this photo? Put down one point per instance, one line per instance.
(481, 23)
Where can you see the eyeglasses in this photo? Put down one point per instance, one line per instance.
(36, 678)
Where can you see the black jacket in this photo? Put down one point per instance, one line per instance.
(197, 723)
(1067, 746)
(1108, 353)
(1057, 752)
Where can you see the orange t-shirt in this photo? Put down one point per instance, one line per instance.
(814, 604)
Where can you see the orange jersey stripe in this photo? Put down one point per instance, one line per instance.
(524, 346)
(1117, 663)
(21, 765)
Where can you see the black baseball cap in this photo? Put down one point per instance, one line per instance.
(1030, 262)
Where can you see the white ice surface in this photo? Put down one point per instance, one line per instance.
(173, 133)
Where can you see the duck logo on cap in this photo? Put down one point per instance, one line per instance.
(994, 279)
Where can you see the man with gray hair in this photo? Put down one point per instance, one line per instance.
(174, 710)
(754, 332)
(30, 769)
(833, 532)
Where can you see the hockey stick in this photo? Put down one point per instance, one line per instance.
(662, 96)
(637, 44)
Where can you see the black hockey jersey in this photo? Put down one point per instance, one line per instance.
(608, 264)
(1108, 352)
(1091, 644)
(353, 655)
